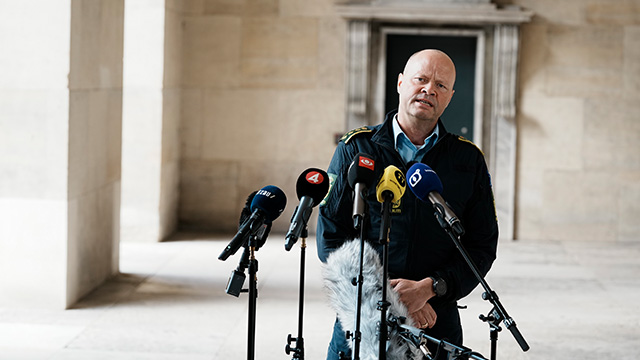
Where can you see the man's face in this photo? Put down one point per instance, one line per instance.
(426, 87)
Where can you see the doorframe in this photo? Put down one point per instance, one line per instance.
(500, 42)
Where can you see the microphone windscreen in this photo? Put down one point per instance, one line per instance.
(271, 200)
(361, 170)
(422, 180)
(313, 183)
(392, 180)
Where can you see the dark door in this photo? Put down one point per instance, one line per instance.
(458, 117)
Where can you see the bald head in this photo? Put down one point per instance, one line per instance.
(431, 55)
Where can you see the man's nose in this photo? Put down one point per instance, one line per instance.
(428, 89)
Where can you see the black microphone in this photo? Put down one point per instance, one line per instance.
(426, 185)
(266, 206)
(312, 186)
(361, 175)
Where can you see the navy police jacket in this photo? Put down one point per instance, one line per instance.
(418, 246)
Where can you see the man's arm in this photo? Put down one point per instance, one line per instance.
(335, 224)
(480, 239)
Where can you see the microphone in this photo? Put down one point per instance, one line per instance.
(360, 176)
(337, 276)
(311, 187)
(391, 185)
(266, 206)
(426, 185)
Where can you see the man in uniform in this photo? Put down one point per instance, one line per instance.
(425, 267)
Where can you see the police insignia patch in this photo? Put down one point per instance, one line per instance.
(346, 137)
(332, 180)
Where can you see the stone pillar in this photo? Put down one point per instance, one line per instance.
(60, 130)
(151, 110)
(503, 125)
(358, 73)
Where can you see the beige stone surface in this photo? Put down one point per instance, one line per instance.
(42, 29)
(33, 138)
(241, 7)
(553, 132)
(534, 52)
(577, 206)
(170, 163)
(173, 47)
(631, 65)
(169, 303)
(33, 252)
(285, 38)
(96, 44)
(95, 145)
(279, 52)
(628, 198)
(95, 132)
(552, 11)
(332, 54)
(306, 8)
(211, 51)
(192, 112)
(611, 135)
(209, 196)
(578, 136)
(582, 57)
(617, 12)
(94, 233)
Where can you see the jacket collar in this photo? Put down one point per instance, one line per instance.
(384, 132)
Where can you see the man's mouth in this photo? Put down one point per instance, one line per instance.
(425, 102)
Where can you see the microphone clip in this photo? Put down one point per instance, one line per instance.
(237, 277)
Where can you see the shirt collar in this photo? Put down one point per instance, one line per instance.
(398, 133)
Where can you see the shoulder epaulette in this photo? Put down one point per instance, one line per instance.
(361, 130)
(463, 139)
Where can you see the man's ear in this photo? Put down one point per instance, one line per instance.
(399, 83)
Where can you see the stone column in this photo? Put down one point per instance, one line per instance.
(503, 125)
(151, 112)
(358, 74)
(60, 130)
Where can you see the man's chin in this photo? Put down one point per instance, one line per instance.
(424, 116)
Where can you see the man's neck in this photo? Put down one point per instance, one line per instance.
(417, 131)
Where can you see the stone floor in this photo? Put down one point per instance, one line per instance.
(570, 301)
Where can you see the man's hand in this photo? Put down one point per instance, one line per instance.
(425, 317)
(414, 295)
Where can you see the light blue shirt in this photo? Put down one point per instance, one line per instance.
(407, 150)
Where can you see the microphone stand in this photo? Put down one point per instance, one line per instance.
(383, 304)
(357, 334)
(419, 339)
(498, 313)
(298, 349)
(253, 295)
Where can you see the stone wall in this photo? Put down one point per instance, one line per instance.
(579, 128)
(263, 95)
